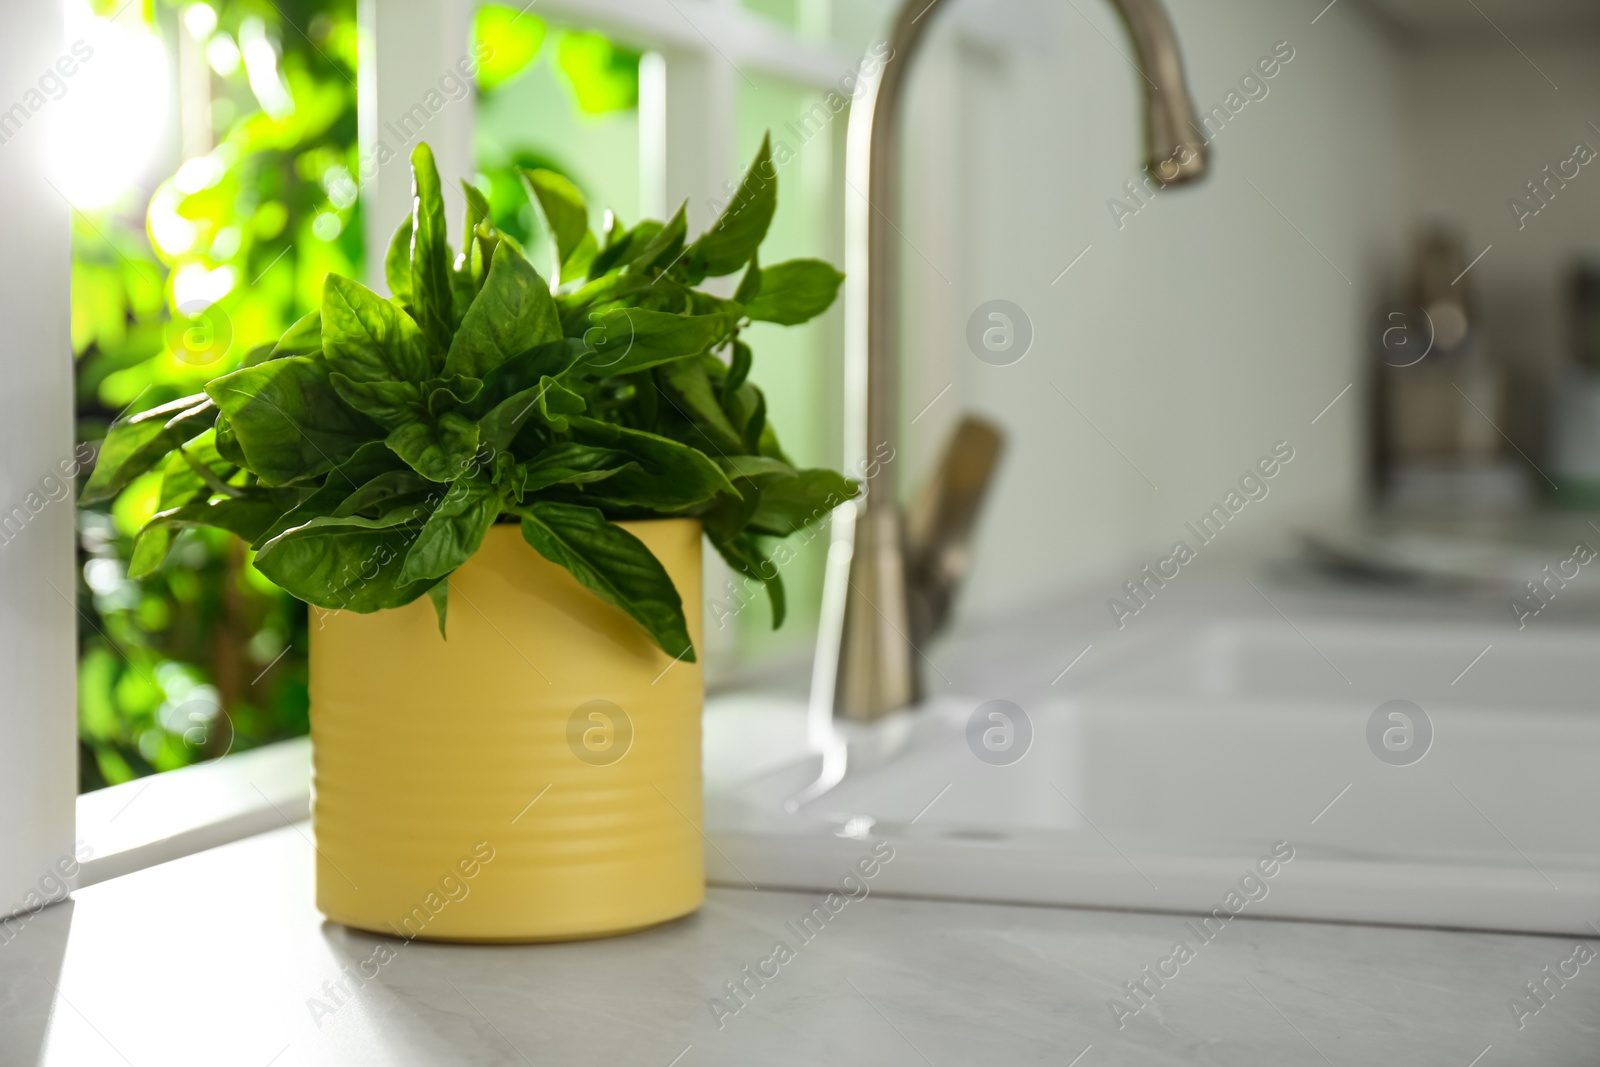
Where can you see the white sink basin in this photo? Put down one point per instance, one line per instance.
(1190, 756)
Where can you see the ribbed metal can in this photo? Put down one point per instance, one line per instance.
(534, 777)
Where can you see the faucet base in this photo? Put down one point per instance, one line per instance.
(877, 669)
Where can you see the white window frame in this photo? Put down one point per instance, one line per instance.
(698, 52)
(38, 627)
(687, 105)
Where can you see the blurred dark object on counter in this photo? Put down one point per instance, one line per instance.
(1575, 396)
(1442, 396)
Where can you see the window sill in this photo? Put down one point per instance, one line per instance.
(139, 824)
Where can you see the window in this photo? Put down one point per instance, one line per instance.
(223, 163)
(204, 221)
(257, 167)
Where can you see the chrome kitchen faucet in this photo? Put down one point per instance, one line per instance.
(890, 581)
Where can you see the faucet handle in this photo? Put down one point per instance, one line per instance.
(941, 521)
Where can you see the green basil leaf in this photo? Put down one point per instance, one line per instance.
(397, 264)
(350, 564)
(462, 293)
(450, 394)
(439, 451)
(630, 339)
(513, 313)
(696, 399)
(525, 371)
(135, 445)
(745, 556)
(576, 268)
(227, 444)
(370, 461)
(246, 517)
(477, 207)
(321, 502)
(407, 517)
(613, 564)
(646, 407)
(390, 404)
(368, 338)
(742, 226)
(150, 548)
(669, 476)
(430, 251)
(439, 594)
(728, 515)
(694, 302)
(498, 428)
(750, 284)
(738, 371)
(260, 354)
(662, 250)
(470, 268)
(556, 402)
(572, 464)
(623, 249)
(193, 471)
(304, 338)
(507, 478)
(567, 215)
(758, 469)
(767, 439)
(488, 239)
(794, 292)
(579, 308)
(789, 504)
(287, 419)
(382, 492)
(747, 409)
(453, 532)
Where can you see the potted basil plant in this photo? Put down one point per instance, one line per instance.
(494, 484)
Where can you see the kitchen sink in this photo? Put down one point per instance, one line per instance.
(1426, 773)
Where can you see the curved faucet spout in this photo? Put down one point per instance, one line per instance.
(1175, 149)
(867, 664)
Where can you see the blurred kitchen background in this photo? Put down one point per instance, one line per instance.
(1394, 268)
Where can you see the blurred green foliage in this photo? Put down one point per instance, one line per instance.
(602, 78)
(174, 285)
(206, 656)
(513, 38)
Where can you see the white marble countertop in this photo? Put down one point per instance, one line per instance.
(220, 959)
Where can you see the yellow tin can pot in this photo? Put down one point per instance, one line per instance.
(535, 777)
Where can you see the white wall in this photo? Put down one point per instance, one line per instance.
(1196, 336)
